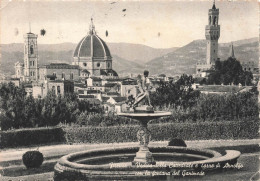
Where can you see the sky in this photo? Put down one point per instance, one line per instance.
(158, 24)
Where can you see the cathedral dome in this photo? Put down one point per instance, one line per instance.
(92, 46)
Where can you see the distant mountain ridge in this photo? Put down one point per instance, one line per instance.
(184, 59)
(134, 58)
(127, 58)
(133, 52)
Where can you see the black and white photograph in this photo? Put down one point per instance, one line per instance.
(129, 90)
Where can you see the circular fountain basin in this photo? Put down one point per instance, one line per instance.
(116, 163)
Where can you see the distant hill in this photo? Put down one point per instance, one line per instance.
(184, 59)
(128, 58)
(136, 52)
(134, 58)
(126, 67)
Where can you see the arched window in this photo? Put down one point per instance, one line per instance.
(98, 64)
(215, 20)
(209, 19)
(63, 76)
(71, 76)
(31, 49)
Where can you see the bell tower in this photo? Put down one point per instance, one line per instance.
(30, 57)
(212, 33)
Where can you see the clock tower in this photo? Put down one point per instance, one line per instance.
(212, 33)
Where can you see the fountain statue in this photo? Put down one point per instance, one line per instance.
(141, 103)
(140, 108)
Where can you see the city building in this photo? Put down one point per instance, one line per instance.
(249, 66)
(58, 71)
(212, 33)
(93, 56)
(28, 70)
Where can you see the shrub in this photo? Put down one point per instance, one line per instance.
(32, 159)
(31, 136)
(161, 132)
(177, 142)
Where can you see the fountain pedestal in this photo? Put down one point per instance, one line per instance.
(144, 156)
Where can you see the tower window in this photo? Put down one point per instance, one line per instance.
(215, 20)
(71, 76)
(108, 65)
(63, 76)
(85, 64)
(98, 64)
(31, 49)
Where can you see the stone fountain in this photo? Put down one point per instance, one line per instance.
(141, 162)
(140, 109)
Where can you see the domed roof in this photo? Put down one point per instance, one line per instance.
(92, 46)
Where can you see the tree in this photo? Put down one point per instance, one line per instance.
(229, 72)
(176, 94)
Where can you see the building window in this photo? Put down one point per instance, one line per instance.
(54, 74)
(58, 89)
(71, 76)
(63, 76)
(53, 89)
(32, 63)
(31, 49)
(85, 64)
(108, 65)
(98, 64)
(249, 69)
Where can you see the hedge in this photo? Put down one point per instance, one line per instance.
(31, 136)
(160, 132)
